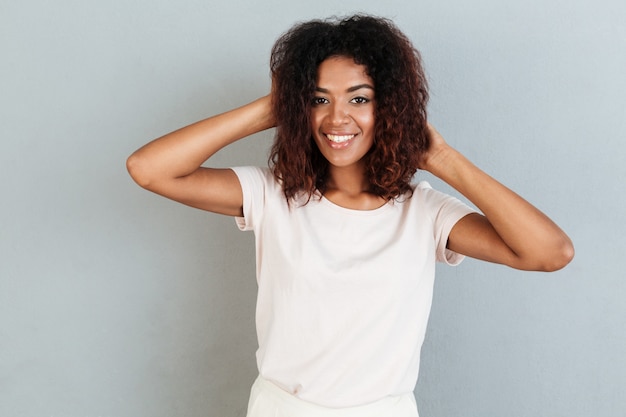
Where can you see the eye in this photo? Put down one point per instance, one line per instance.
(319, 100)
(360, 100)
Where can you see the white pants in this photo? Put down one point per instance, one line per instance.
(268, 400)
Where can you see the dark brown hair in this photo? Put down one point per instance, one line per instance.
(401, 96)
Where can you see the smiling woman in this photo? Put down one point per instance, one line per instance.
(383, 59)
(342, 121)
(346, 245)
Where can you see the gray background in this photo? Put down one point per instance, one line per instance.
(115, 302)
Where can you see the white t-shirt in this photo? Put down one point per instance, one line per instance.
(344, 295)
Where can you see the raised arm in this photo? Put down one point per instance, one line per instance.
(511, 232)
(171, 165)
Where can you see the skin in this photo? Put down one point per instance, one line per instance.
(511, 232)
(344, 105)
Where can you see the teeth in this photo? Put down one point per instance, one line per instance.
(339, 138)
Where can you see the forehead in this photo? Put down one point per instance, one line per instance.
(341, 70)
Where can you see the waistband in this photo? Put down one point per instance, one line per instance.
(267, 399)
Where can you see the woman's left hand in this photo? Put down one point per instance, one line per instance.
(436, 152)
(511, 231)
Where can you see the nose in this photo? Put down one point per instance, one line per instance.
(338, 114)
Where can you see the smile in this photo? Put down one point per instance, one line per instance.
(339, 138)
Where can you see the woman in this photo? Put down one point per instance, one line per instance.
(346, 244)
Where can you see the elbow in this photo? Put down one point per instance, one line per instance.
(546, 258)
(138, 171)
(559, 257)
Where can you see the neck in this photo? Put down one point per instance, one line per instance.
(349, 180)
(347, 187)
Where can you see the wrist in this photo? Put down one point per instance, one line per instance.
(441, 161)
(264, 115)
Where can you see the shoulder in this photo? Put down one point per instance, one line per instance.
(424, 193)
(255, 178)
(436, 203)
(248, 173)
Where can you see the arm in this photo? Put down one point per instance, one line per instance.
(171, 165)
(511, 231)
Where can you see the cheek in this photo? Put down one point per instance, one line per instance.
(313, 120)
(367, 121)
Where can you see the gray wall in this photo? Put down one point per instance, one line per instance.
(115, 302)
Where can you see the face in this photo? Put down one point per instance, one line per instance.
(342, 114)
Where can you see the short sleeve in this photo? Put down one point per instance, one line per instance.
(254, 182)
(446, 211)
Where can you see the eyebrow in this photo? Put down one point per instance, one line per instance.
(349, 90)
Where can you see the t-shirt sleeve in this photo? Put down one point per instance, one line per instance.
(445, 211)
(254, 182)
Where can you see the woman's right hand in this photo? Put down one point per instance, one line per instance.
(171, 165)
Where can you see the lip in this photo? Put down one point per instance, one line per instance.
(339, 140)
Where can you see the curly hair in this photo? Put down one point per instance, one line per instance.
(401, 97)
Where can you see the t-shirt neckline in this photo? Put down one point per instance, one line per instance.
(373, 212)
